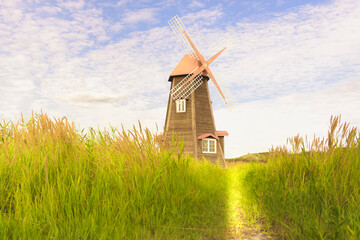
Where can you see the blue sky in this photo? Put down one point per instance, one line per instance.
(291, 66)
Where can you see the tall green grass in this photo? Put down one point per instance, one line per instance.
(60, 183)
(312, 189)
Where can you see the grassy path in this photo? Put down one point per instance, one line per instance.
(239, 226)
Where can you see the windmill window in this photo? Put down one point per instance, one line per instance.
(208, 145)
(180, 105)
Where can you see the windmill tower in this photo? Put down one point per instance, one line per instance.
(189, 113)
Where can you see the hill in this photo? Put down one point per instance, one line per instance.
(251, 157)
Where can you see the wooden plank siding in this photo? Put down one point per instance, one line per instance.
(197, 120)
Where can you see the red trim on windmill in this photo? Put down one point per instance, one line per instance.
(222, 133)
(205, 135)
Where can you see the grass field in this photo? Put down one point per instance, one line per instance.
(57, 182)
(310, 190)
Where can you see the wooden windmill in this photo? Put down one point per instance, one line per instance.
(189, 114)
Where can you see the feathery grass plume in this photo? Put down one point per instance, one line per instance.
(60, 183)
(310, 190)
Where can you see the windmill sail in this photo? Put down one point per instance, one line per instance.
(178, 27)
(184, 88)
(193, 80)
(225, 93)
(224, 42)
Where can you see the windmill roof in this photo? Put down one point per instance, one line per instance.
(185, 66)
(222, 133)
(205, 135)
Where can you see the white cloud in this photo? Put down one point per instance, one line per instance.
(253, 5)
(98, 98)
(72, 5)
(123, 2)
(280, 2)
(12, 3)
(196, 4)
(204, 17)
(11, 15)
(298, 51)
(258, 125)
(116, 27)
(50, 10)
(290, 72)
(147, 15)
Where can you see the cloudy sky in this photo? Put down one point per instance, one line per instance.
(291, 66)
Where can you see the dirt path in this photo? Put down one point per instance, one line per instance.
(238, 227)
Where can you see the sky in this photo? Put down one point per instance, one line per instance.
(292, 64)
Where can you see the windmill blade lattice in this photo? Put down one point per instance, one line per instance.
(191, 82)
(178, 27)
(184, 91)
(229, 98)
(224, 42)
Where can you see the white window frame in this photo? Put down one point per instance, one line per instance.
(207, 141)
(180, 105)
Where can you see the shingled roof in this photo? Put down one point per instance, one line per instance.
(185, 66)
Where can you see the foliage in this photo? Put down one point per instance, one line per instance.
(312, 190)
(251, 157)
(60, 183)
